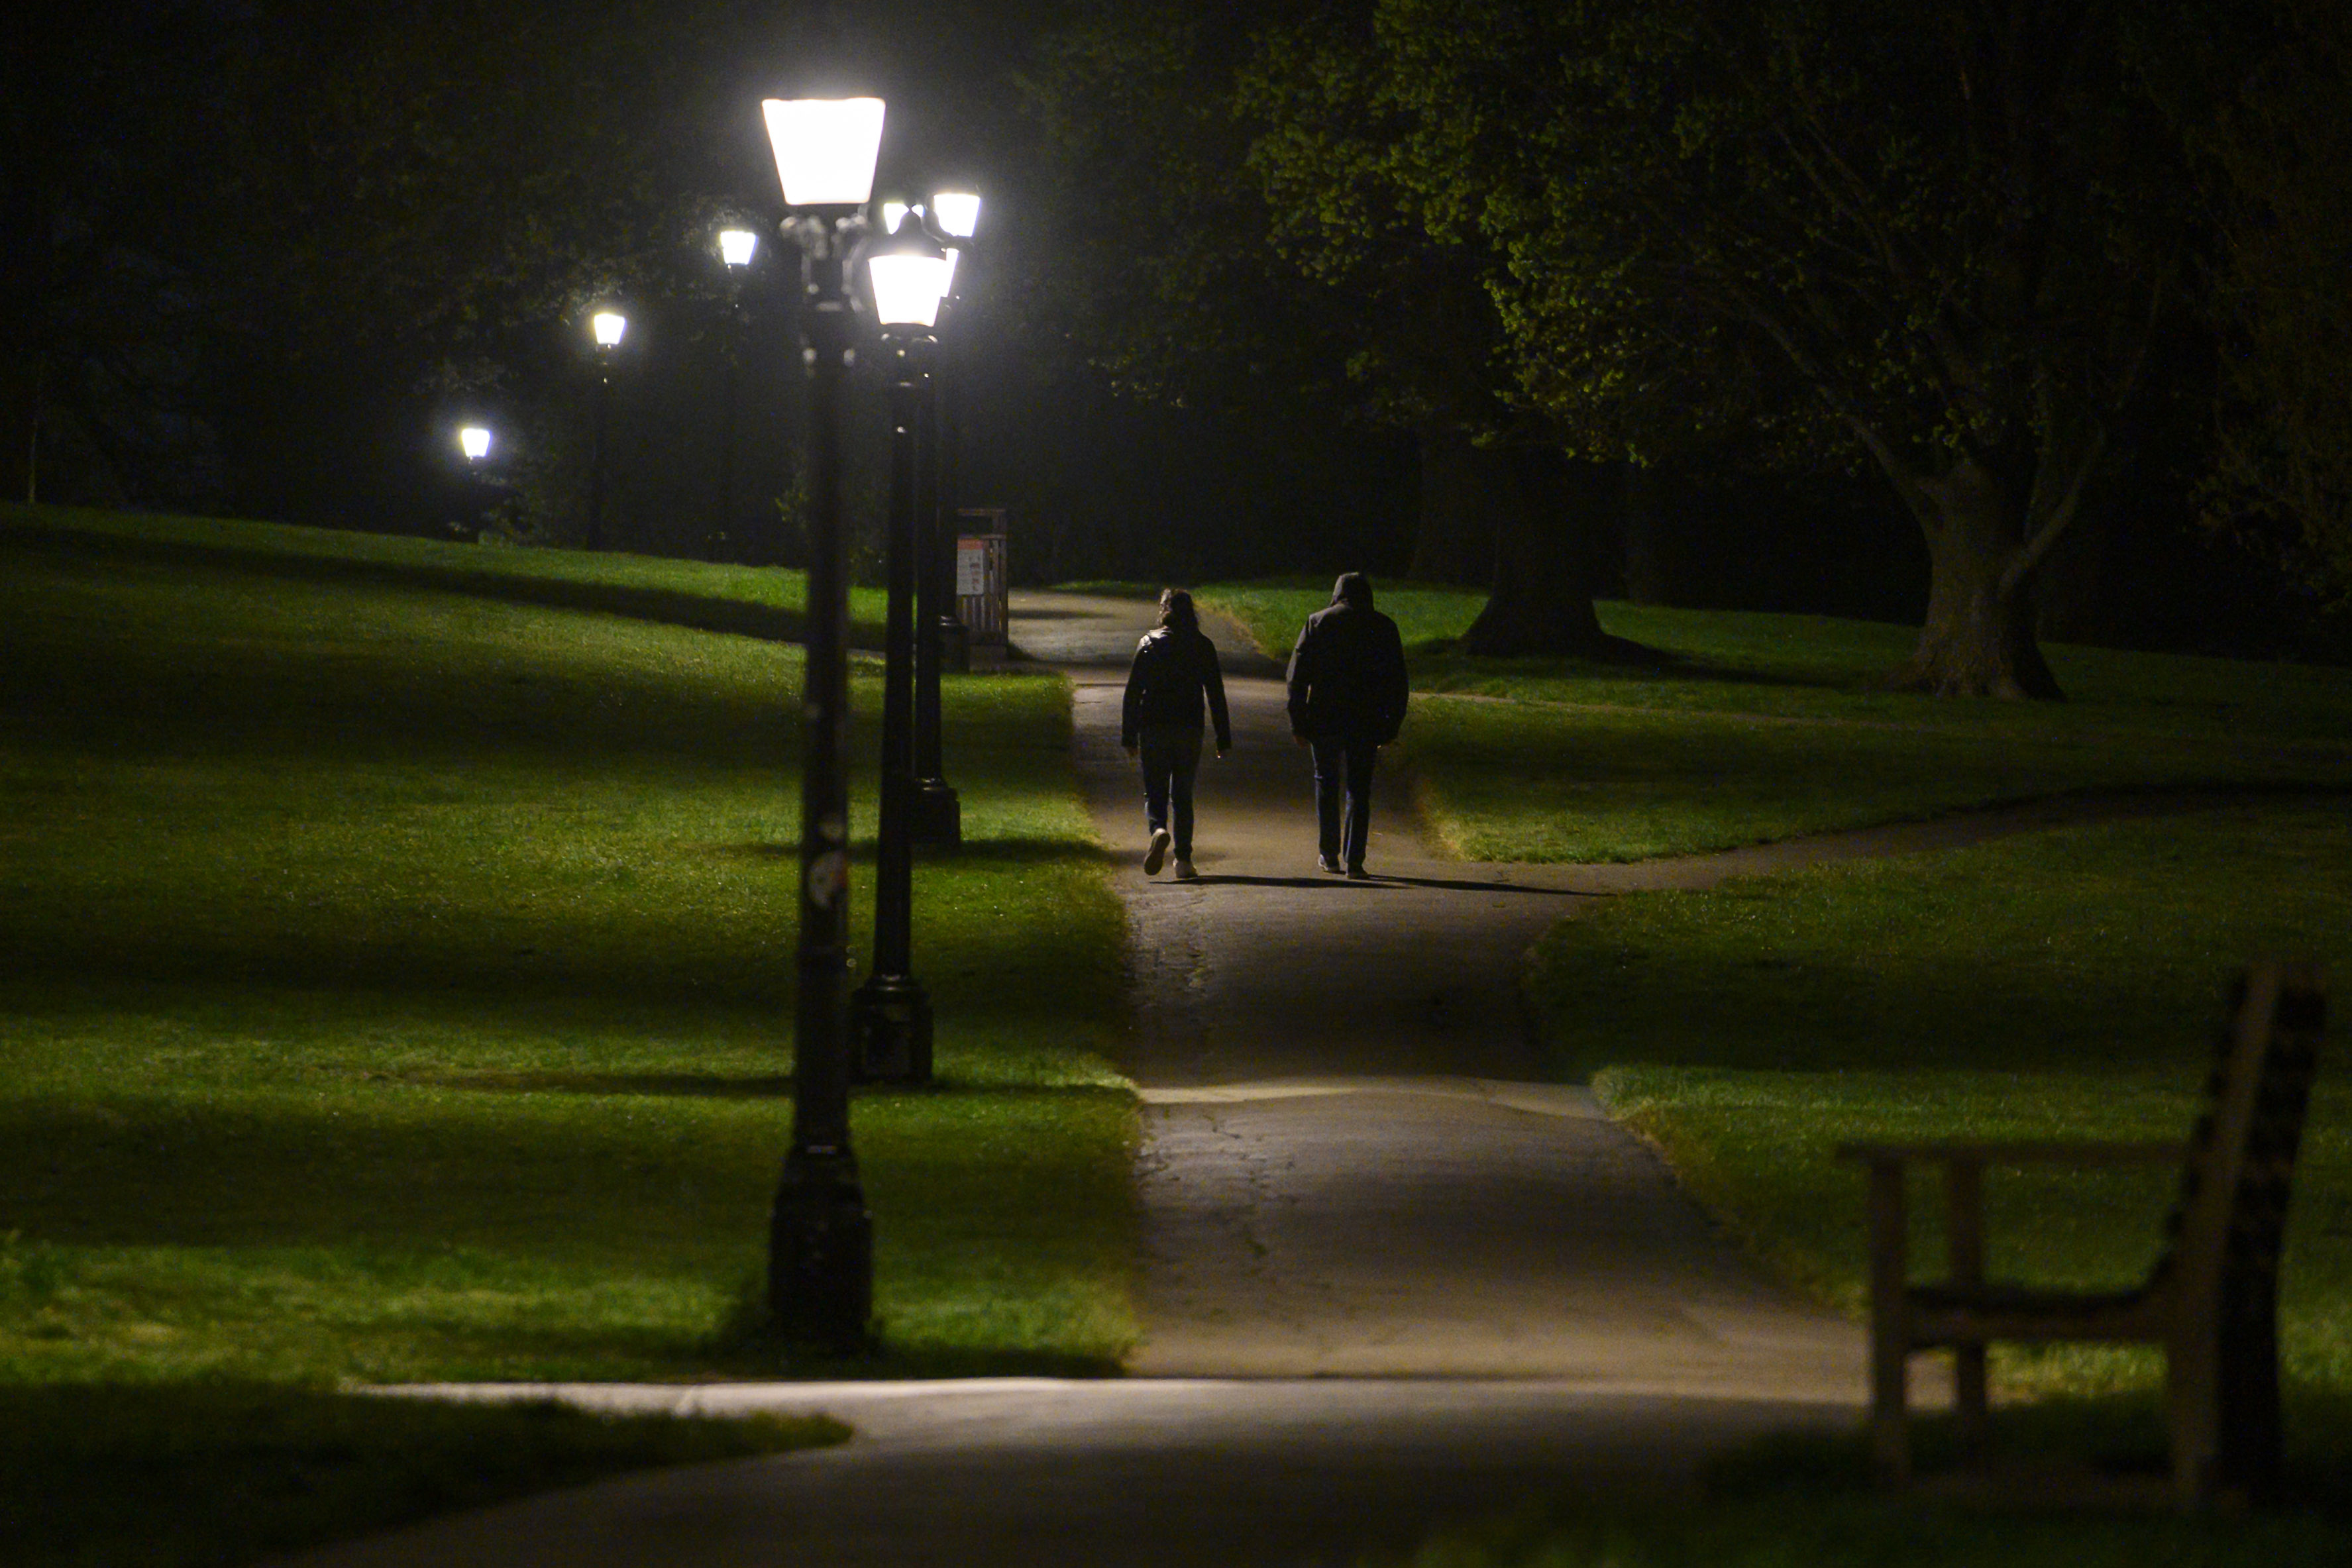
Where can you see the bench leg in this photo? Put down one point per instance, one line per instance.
(1968, 1395)
(1890, 1327)
(1964, 1239)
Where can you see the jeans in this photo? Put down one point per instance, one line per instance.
(1171, 757)
(1344, 761)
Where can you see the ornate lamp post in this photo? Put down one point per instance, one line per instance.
(736, 248)
(939, 814)
(890, 1016)
(607, 325)
(821, 1238)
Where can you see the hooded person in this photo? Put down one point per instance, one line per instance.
(1347, 696)
(1174, 675)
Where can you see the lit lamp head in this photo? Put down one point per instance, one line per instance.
(909, 273)
(894, 214)
(825, 149)
(608, 326)
(736, 246)
(957, 215)
(474, 442)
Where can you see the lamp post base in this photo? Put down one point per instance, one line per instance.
(939, 814)
(821, 1255)
(955, 645)
(890, 1030)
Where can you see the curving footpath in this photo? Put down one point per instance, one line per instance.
(1393, 1281)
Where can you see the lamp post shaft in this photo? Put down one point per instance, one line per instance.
(938, 813)
(727, 453)
(821, 1238)
(597, 458)
(891, 1014)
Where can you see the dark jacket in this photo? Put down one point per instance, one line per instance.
(1173, 670)
(1347, 674)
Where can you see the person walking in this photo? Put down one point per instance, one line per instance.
(1348, 695)
(1175, 671)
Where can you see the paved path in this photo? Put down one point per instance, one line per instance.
(1350, 1170)
(1393, 1280)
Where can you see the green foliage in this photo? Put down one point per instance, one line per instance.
(2283, 149)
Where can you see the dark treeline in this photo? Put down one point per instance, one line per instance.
(2016, 322)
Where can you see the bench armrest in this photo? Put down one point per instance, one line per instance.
(2023, 1151)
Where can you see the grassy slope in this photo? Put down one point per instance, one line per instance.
(400, 983)
(1757, 728)
(2064, 984)
(2061, 983)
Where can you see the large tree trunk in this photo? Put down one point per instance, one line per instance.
(1542, 599)
(1978, 636)
(1649, 572)
(1454, 538)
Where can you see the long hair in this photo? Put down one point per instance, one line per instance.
(1176, 611)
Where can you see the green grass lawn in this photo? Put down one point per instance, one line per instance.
(2062, 984)
(400, 986)
(1751, 728)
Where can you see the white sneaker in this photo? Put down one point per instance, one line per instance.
(1184, 872)
(1157, 855)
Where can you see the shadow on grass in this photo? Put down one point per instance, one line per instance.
(1619, 658)
(667, 607)
(1377, 881)
(1809, 1499)
(213, 1473)
(681, 1085)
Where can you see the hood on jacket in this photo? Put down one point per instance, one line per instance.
(1353, 588)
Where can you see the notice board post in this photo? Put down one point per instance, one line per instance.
(982, 587)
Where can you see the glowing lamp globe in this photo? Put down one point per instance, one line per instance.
(907, 288)
(736, 246)
(958, 212)
(825, 149)
(476, 442)
(609, 324)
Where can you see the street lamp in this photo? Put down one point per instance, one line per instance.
(736, 248)
(475, 442)
(890, 1016)
(821, 1238)
(607, 325)
(939, 814)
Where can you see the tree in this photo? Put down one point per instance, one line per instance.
(1187, 267)
(1950, 231)
(2281, 143)
(1428, 343)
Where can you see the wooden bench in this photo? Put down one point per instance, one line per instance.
(2212, 1300)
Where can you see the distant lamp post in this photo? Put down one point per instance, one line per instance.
(736, 248)
(608, 326)
(890, 1016)
(475, 442)
(821, 1238)
(939, 814)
